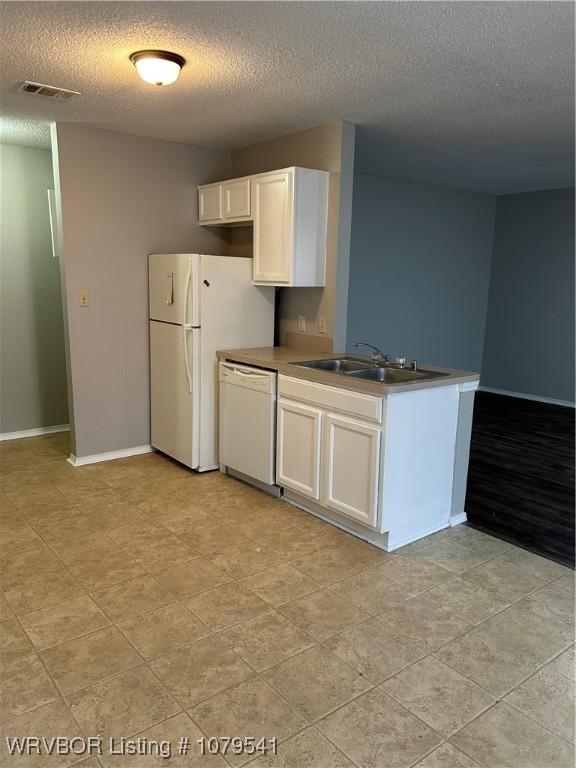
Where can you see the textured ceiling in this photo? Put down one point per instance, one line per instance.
(477, 95)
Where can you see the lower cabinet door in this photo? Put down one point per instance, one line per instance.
(350, 468)
(298, 448)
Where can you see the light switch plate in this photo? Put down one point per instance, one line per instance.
(302, 323)
(83, 297)
(321, 325)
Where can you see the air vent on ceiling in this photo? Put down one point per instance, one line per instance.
(49, 91)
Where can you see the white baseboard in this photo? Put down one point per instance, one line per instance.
(96, 458)
(458, 519)
(34, 432)
(523, 396)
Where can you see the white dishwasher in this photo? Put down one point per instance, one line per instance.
(248, 420)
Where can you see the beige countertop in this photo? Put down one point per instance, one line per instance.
(285, 360)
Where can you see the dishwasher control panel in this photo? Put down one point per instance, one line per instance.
(247, 377)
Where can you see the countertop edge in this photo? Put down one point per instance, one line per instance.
(271, 358)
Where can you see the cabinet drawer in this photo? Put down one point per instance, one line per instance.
(329, 398)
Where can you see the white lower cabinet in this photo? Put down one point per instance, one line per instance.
(382, 467)
(350, 468)
(298, 448)
(332, 458)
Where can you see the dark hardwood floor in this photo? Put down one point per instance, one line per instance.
(521, 475)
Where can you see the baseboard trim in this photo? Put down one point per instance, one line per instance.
(524, 396)
(458, 519)
(34, 432)
(96, 458)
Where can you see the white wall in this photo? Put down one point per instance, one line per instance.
(122, 197)
(32, 367)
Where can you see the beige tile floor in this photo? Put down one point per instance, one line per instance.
(137, 598)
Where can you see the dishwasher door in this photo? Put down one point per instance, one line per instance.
(248, 420)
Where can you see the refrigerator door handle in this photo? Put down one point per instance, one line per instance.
(170, 288)
(187, 291)
(185, 330)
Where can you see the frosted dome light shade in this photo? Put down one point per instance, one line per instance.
(158, 67)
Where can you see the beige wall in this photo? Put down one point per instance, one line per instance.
(32, 367)
(328, 147)
(122, 197)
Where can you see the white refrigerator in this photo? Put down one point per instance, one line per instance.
(198, 305)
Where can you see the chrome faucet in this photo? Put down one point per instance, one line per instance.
(377, 355)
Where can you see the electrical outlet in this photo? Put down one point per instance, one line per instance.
(321, 325)
(302, 323)
(83, 297)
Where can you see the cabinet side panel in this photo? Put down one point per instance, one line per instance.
(310, 219)
(420, 439)
(462, 454)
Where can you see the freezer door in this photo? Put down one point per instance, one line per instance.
(174, 390)
(172, 280)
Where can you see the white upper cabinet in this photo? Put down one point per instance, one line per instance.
(272, 202)
(210, 204)
(289, 210)
(236, 199)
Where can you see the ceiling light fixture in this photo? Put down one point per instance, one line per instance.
(158, 67)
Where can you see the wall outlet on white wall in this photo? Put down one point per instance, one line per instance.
(321, 325)
(83, 297)
(302, 323)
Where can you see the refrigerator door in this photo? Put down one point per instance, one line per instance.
(173, 280)
(174, 391)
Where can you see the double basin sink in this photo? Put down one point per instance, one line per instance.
(360, 369)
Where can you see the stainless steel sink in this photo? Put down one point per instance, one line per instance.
(338, 365)
(390, 375)
(360, 369)
(395, 375)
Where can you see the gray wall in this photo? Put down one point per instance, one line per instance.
(122, 197)
(530, 329)
(32, 366)
(420, 270)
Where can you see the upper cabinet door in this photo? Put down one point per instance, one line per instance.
(272, 208)
(236, 199)
(350, 468)
(210, 202)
